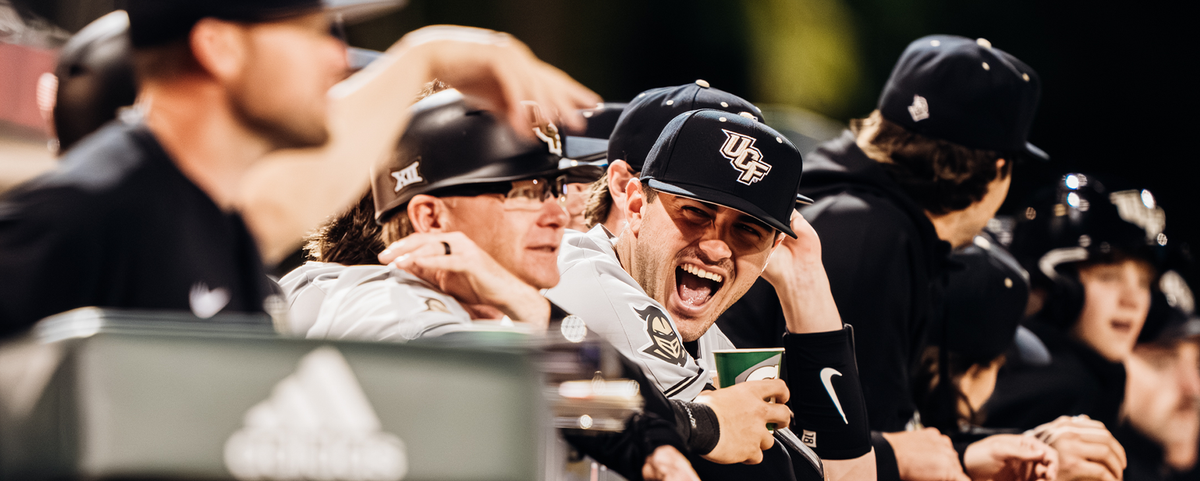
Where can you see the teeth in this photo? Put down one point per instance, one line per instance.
(703, 274)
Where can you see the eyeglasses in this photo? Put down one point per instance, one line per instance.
(528, 194)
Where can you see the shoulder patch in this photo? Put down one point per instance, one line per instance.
(664, 342)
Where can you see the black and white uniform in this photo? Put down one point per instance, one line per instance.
(368, 302)
(118, 225)
(595, 286)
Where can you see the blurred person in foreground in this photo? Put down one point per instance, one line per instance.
(472, 210)
(985, 300)
(714, 201)
(239, 118)
(920, 175)
(1160, 425)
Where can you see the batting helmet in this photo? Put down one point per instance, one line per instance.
(451, 141)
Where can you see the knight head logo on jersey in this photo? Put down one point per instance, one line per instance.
(664, 342)
(744, 157)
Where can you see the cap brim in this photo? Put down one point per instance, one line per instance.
(1036, 153)
(1030, 348)
(585, 149)
(723, 199)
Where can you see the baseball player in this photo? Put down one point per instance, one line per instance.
(1160, 423)
(985, 300)
(147, 214)
(920, 175)
(715, 200)
(471, 213)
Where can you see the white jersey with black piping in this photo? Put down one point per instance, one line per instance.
(596, 288)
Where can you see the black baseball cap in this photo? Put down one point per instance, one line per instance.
(452, 142)
(728, 160)
(647, 114)
(964, 91)
(984, 302)
(158, 22)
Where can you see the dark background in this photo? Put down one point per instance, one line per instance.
(1117, 98)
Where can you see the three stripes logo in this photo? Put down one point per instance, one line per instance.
(317, 424)
(744, 157)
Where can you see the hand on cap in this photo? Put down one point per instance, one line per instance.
(1011, 457)
(668, 464)
(743, 412)
(457, 266)
(798, 275)
(501, 70)
(925, 455)
(1086, 449)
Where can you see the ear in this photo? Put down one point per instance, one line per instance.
(635, 205)
(618, 174)
(1000, 163)
(219, 48)
(428, 214)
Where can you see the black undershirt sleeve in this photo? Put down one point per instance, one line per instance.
(826, 395)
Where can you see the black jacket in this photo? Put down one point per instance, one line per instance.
(1146, 457)
(885, 264)
(1077, 381)
(886, 268)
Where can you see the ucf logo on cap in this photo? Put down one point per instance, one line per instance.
(744, 157)
(664, 343)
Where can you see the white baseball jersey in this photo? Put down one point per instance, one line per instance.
(596, 288)
(378, 303)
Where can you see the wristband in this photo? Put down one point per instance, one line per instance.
(826, 396)
(698, 426)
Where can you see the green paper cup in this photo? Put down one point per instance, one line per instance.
(740, 365)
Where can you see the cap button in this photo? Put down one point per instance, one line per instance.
(703, 83)
(983, 42)
(1025, 76)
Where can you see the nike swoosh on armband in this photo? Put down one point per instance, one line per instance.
(826, 379)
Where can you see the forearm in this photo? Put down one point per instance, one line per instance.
(526, 304)
(807, 302)
(861, 468)
(290, 192)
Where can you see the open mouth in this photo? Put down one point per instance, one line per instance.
(695, 286)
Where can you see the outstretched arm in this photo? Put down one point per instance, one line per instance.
(291, 192)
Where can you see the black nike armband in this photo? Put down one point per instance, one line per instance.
(826, 396)
(698, 426)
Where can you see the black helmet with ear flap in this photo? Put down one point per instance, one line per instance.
(453, 141)
(95, 78)
(1077, 220)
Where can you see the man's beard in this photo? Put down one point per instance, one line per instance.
(281, 130)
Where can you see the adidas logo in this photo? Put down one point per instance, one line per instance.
(317, 424)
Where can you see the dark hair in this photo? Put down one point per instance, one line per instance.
(165, 61)
(937, 402)
(350, 238)
(940, 176)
